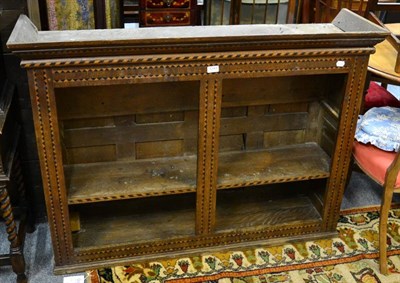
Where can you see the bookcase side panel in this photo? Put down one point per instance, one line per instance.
(48, 142)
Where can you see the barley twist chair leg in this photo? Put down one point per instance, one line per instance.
(16, 255)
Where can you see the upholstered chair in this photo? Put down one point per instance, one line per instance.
(376, 152)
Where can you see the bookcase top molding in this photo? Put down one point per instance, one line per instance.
(346, 30)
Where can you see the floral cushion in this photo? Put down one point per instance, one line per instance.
(380, 126)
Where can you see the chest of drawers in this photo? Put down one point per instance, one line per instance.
(168, 13)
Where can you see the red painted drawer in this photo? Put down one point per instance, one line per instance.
(160, 4)
(170, 18)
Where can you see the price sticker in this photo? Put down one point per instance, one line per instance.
(213, 69)
(340, 63)
(74, 279)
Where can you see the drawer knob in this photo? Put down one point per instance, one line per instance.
(169, 2)
(167, 18)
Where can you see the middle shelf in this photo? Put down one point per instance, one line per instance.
(107, 181)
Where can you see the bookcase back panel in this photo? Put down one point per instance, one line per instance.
(127, 122)
(126, 99)
(269, 112)
(272, 90)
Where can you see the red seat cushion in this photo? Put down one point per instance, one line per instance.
(378, 96)
(374, 161)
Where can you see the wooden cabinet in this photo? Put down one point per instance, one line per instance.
(168, 13)
(155, 144)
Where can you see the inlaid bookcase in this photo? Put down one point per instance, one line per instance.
(159, 142)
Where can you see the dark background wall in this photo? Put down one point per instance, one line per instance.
(11, 71)
(2, 70)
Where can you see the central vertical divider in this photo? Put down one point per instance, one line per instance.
(207, 160)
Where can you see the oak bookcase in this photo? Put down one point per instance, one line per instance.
(160, 142)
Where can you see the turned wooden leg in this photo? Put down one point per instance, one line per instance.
(383, 221)
(16, 255)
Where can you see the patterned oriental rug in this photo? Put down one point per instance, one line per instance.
(350, 257)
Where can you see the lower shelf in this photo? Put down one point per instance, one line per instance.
(162, 219)
(260, 208)
(135, 221)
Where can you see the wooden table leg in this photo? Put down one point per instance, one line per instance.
(16, 255)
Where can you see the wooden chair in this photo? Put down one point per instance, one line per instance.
(384, 65)
(324, 11)
(383, 167)
(373, 9)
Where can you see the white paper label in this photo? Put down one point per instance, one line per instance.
(74, 279)
(340, 63)
(213, 69)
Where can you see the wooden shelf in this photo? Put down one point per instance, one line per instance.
(139, 221)
(108, 181)
(136, 224)
(257, 210)
(277, 165)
